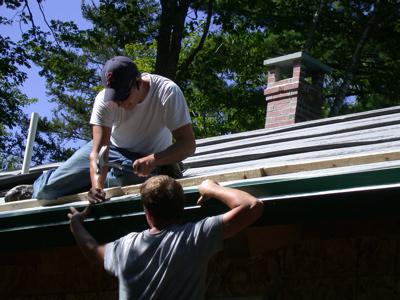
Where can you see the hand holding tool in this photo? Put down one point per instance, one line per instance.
(102, 161)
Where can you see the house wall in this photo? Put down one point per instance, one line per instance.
(356, 259)
(52, 274)
(353, 259)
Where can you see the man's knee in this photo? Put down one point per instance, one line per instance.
(46, 194)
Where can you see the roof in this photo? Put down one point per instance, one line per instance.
(9, 179)
(335, 167)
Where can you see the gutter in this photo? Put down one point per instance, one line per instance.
(289, 201)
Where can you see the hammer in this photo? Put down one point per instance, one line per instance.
(101, 162)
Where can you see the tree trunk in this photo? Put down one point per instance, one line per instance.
(310, 38)
(355, 62)
(185, 65)
(172, 22)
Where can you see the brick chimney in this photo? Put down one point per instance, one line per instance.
(294, 89)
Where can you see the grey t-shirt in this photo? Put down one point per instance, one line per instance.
(169, 265)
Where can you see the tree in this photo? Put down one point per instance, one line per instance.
(372, 17)
(12, 57)
(214, 49)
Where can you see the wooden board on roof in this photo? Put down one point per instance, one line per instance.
(221, 177)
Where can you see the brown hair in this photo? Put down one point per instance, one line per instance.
(163, 198)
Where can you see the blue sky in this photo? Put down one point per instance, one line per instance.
(67, 10)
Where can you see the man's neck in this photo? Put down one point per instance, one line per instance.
(154, 229)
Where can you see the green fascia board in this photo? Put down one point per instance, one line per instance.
(262, 187)
(287, 197)
(301, 209)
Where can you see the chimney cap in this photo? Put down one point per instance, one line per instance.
(287, 60)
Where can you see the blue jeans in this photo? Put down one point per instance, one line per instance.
(73, 176)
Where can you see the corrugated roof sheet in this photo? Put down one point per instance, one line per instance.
(357, 134)
(350, 140)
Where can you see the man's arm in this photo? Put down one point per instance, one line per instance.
(244, 208)
(183, 147)
(101, 137)
(88, 245)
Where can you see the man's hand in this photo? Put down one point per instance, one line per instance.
(77, 216)
(96, 195)
(206, 189)
(144, 166)
(88, 245)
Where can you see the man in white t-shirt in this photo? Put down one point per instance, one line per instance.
(138, 116)
(168, 260)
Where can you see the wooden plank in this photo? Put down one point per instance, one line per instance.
(333, 163)
(238, 175)
(29, 203)
(194, 181)
(296, 167)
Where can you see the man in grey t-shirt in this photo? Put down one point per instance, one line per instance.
(169, 260)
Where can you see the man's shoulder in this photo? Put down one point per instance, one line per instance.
(159, 82)
(99, 102)
(205, 234)
(206, 224)
(128, 238)
(100, 96)
(214, 220)
(156, 77)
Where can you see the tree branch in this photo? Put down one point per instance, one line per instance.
(355, 60)
(45, 20)
(185, 65)
(310, 39)
(30, 14)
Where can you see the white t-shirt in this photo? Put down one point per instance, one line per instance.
(147, 128)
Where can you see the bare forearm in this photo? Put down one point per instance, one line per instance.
(233, 197)
(183, 147)
(175, 153)
(86, 243)
(245, 209)
(101, 137)
(97, 180)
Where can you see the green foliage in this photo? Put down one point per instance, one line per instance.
(220, 91)
(144, 55)
(221, 73)
(13, 57)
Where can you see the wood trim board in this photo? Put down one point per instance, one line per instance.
(294, 167)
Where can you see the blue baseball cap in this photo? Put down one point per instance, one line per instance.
(118, 76)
